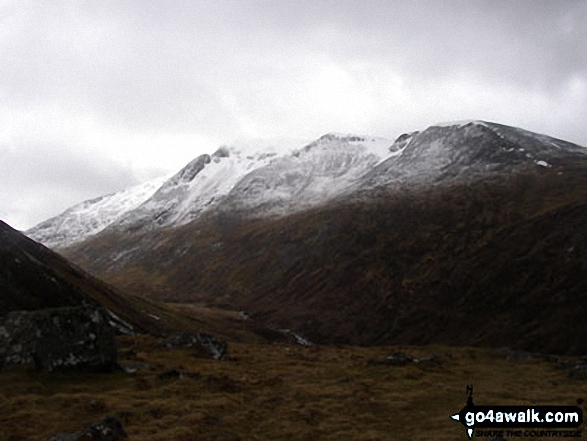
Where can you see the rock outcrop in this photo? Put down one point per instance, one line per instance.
(204, 342)
(78, 338)
(107, 428)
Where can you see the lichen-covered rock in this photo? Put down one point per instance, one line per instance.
(107, 428)
(206, 342)
(78, 338)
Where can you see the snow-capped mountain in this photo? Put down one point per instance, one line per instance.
(260, 182)
(466, 150)
(262, 179)
(163, 200)
(198, 187)
(326, 168)
(268, 180)
(90, 217)
(468, 233)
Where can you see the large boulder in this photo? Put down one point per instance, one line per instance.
(72, 338)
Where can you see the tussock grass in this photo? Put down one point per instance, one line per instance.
(277, 391)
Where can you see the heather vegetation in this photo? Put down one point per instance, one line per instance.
(265, 391)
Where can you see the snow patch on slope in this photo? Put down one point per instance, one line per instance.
(200, 186)
(376, 146)
(321, 170)
(271, 178)
(250, 176)
(90, 217)
(461, 123)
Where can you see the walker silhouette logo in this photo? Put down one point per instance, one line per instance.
(516, 420)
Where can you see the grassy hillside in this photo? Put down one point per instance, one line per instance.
(34, 277)
(279, 391)
(498, 262)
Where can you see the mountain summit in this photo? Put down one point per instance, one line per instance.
(262, 182)
(270, 182)
(468, 150)
(468, 233)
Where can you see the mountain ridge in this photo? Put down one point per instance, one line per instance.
(267, 183)
(204, 183)
(396, 270)
(91, 216)
(461, 236)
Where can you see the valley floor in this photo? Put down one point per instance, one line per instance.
(278, 391)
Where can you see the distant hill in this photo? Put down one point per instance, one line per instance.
(469, 233)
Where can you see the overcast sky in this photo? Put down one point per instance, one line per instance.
(96, 96)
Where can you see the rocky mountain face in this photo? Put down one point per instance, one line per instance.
(469, 233)
(317, 173)
(271, 182)
(255, 182)
(467, 151)
(90, 217)
(200, 186)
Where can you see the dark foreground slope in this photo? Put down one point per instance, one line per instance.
(465, 257)
(33, 277)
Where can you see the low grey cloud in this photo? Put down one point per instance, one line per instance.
(150, 85)
(40, 179)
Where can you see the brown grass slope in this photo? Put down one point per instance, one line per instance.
(34, 277)
(498, 262)
(280, 392)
